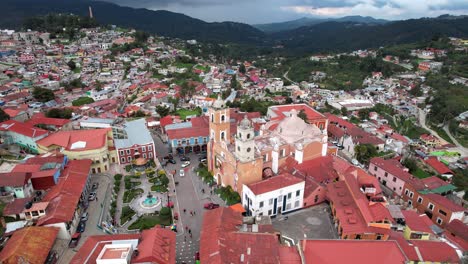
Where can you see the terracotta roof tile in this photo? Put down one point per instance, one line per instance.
(274, 183)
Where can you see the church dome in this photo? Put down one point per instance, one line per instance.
(245, 123)
(293, 128)
(219, 103)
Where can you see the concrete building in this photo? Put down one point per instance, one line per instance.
(276, 195)
(134, 141)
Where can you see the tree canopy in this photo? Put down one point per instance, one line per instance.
(43, 95)
(3, 116)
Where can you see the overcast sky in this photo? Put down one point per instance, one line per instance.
(267, 11)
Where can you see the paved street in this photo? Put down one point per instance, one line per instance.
(189, 197)
(94, 209)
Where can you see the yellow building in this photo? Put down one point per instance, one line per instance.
(418, 226)
(96, 145)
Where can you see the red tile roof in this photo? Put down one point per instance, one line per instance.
(29, 245)
(65, 196)
(352, 252)
(441, 200)
(37, 119)
(311, 113)
(321, 168)
(339, 127)
(274, 183)
(14, 179)
(16, 206)
(457, 232)
(22, 129)
(436, 251)
(395, 168)
(12, 112)
(438, 166)
(434, 182)
(94, 138)
(418, 222)
(158, 245)
(200, 128)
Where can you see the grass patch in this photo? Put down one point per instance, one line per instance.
(421, 174)
(203, 68)
(130, 194)
(82, 101)
(149, 221)
(159, 188)
(127, 214)
(183, 113)
(183, 65)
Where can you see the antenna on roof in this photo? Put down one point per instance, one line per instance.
(90, 12)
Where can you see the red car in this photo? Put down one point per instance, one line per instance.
(74, 240)
(211, 206)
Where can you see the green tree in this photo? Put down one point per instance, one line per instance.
(3, 116)
(82, 101)
(364, 114)
(364, 152)
(242, 68)
(141, 36)
(71, 64)
(43, 95)
(411, 164)
(234, 82)
(162, 110)
(289, 100)
(302, 115)
(65, 113)
(344, 111)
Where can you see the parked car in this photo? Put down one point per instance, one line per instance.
(181, 173)
(81, 227)
(95, 186)
(197, 255)
(84, 217)
(184, 158)
(92, 196)
(210, 206)
(202, 157)
(355, 162)
(169, 157)
(172, 161)
(74, 240)
(185, 164)
(36, 105)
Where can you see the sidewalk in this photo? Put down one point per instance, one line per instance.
(199, 185)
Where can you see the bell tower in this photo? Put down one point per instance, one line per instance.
(219, 121)
(245, 144)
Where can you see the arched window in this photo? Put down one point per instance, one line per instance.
(248, 135)
(222, 135)
(223, 118)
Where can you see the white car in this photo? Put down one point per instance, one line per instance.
(185, 164)
(181, 173)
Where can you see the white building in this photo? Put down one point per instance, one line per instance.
(276, 195)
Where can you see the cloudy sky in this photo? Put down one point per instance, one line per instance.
(266, 11)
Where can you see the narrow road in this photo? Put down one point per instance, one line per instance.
(461, 148)
(422, 122)
(285, 75)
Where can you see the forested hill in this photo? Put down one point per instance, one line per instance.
(163, 23)
(346, 36)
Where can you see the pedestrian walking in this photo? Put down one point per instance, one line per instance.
(185, 210)
(193, 212)
(203, 190)
(190, 231)
(96, 198)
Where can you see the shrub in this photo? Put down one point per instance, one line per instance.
(161, 172)
(118, 177)
(128, 168)
(138, 174)
(127, 214)
(165, 211)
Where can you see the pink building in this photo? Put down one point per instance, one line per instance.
(134, 141)
(390, 173)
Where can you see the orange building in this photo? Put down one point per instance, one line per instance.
(239, 157)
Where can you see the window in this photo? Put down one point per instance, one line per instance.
(196, 141)
(150, 148)
(386, 174)
(238, 148)
(270, 212)
(212, 117)
(122, 159)
(288, 206)
(223, 118)
(394, 179)
(248, 135)
(283, 152)
(128, 152)
(415, 236)
(411, 194)
(280, 199)
(261, 204)
(430, 206)
(246, 197)
(249, 149)
(375, 168)
(150, 155)
(222, 135)
(270, 202)
(129, 159)
(298, 192)
(439, 221)
(420, 199)
(296, 204)
(410, 202)
(442, 212)
(144, 155)
(379, 237)
(289, 195)
(143, 149)
(265, 157)
(121, 153)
